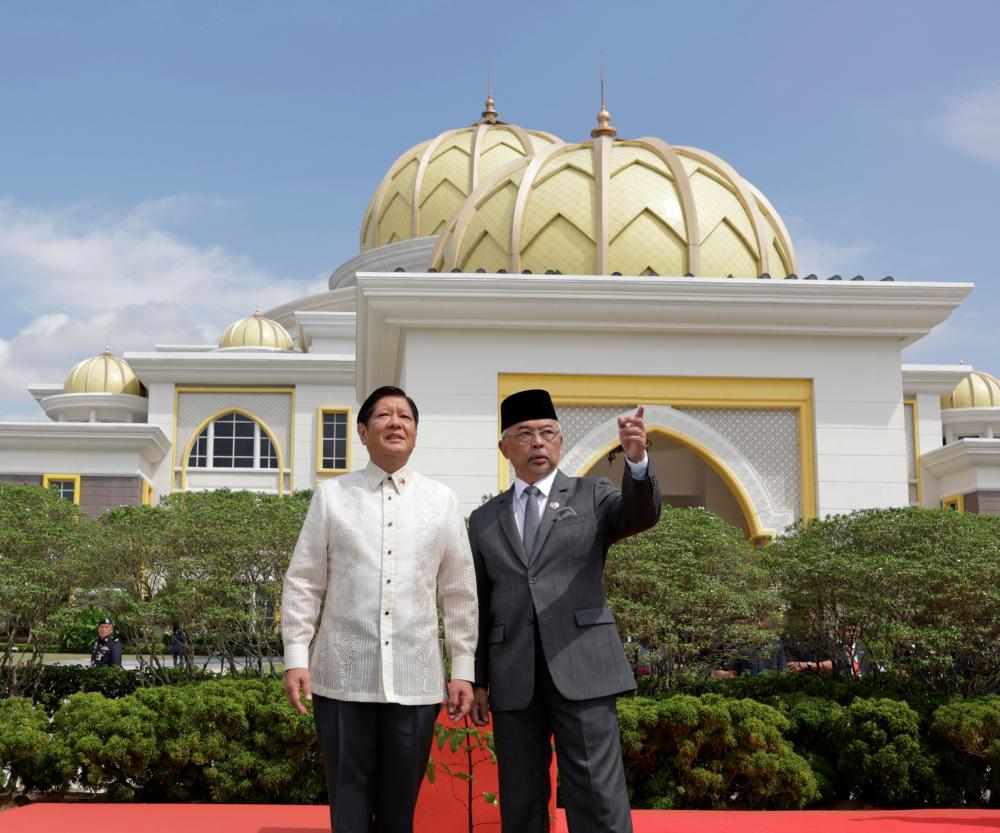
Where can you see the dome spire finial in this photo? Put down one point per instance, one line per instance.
(604, 127)
(489, 114)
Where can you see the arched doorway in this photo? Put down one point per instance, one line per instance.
(695, 464)
(686, 479)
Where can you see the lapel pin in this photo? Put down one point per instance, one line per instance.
(554, 504)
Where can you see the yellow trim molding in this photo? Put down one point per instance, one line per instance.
(954, 502)
(48, 479)
(248, 415)
(148, 493)
(179, 389)
(683, 391)
(320, 470)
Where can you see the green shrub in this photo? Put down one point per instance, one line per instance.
(24, 734)
(57, 683)
(691, 593)
(922, 586)
(880, 754)
(73, 629)
(217, 741)
(691, 752)
(813, 730)
(971, 728)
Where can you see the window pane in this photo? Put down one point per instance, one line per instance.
(244, 426)
(64, 488)
(244, 447)
(199, 451)
(243, 463)
(334, 441)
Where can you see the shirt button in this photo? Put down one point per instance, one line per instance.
(387, 613)
(389, 524)
(388, 581)
(387, 642)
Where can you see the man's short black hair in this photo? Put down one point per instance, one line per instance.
(369, 404)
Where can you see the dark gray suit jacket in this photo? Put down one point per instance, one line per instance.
(560, 585)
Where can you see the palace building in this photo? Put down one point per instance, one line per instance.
(612, 272)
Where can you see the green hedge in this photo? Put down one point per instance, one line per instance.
(704, 752)
(239, 741)
(216, 741)
(56, 683)
(24, 736)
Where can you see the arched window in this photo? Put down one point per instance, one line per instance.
(233, 441)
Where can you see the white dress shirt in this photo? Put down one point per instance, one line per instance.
(544, 486)
(383, 550)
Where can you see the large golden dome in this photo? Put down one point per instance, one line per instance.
(611, 206)
(427, 184)
(977, 390)
(256, 331)
(102, 374)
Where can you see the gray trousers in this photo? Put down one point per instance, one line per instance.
(588, 752)
(375, 756)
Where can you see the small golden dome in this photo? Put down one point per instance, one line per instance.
(102, 374)
(256, 331)
(427, 184)
(612, 206)
(977, 390)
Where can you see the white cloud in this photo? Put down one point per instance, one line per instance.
(82, 280)
(971, 122)
(826, 257)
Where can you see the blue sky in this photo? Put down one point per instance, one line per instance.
(167, 167)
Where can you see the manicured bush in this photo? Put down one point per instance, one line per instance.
(690, 594)
(217, 741)
(972, 730)
(24, 734)
(57, 683)
(704, 752)
(879, 751)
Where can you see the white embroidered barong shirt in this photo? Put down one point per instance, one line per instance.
(379, 552)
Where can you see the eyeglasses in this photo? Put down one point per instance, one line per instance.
(525, 435)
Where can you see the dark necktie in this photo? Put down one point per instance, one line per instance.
(530, 519)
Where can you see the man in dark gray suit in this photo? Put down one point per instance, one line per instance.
(549, 660)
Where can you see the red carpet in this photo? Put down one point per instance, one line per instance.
(244, 818)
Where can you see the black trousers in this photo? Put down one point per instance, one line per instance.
(376, 756)
(588, 751)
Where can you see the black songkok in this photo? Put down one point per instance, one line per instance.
(525, 405)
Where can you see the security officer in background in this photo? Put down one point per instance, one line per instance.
(107, 648)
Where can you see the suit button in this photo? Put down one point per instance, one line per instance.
(531, 621)
(532, 580)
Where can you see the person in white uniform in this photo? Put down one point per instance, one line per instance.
(379, 551)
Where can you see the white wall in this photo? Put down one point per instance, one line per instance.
(40, 460)
(929, 436)
(308, 399)
(860, 439)
(161, 413)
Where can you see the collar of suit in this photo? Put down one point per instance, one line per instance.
(544, 485)
(376, 477)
